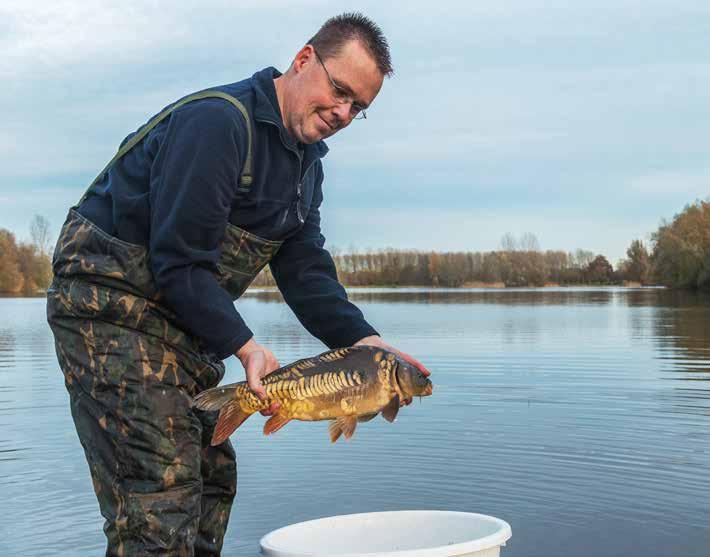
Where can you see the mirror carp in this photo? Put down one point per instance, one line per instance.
(346, 385)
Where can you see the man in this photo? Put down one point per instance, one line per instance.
(149, 262)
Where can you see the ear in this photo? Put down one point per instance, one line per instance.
(303, 58)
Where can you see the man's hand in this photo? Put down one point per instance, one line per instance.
(375, 340)
(258, 361)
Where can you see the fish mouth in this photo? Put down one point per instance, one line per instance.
(428, 390)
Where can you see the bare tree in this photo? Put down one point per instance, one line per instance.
(39, 232)
(528, 242)
(508, 242)
(582, 258)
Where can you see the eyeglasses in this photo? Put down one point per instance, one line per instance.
(341, 96)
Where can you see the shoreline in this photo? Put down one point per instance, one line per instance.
(468, 286)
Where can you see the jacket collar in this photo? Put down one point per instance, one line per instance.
(266, 109)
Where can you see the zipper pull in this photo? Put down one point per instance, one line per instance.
(298, 202)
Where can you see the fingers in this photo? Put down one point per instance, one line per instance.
(372, 340)
(271, 364)
(377, 341)
(258, 363)
(254, 382)
(416, 363)
(254, 375)
(420, 366)
(254, 370)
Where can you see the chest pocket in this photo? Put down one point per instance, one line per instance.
(243, 256)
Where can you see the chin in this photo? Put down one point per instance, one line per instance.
(313, 137)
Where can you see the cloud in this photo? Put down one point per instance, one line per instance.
(660, 184)
(595, 110)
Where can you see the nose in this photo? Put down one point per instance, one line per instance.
(342, 113)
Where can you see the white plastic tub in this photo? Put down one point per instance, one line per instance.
(391, 534)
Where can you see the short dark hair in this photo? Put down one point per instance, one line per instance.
(338, 30)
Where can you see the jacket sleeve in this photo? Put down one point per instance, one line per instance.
(305, 273)
(193, 182)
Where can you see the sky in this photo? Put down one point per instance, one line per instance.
(583, 123)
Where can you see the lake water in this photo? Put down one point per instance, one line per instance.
(580, 416)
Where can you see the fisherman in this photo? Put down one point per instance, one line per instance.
(149, 262)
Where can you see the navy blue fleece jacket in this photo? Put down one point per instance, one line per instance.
(175, 192)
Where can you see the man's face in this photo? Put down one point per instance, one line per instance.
(312, 111)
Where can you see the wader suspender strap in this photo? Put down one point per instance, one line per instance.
(245, 179)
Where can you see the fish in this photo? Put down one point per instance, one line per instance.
(345, 385)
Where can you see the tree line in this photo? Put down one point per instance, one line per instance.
(679, 258)
(454, 269)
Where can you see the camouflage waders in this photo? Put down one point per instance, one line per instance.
(131, 372)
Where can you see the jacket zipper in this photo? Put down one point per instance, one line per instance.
(299, 192)
(299, 184)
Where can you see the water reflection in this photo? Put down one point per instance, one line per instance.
(682, 336)
(505, 296)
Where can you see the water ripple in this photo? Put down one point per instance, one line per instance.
(567, 412)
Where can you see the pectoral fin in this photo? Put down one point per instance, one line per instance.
(389, 412)
(231, 416)
(275, 422)
(344, 425)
